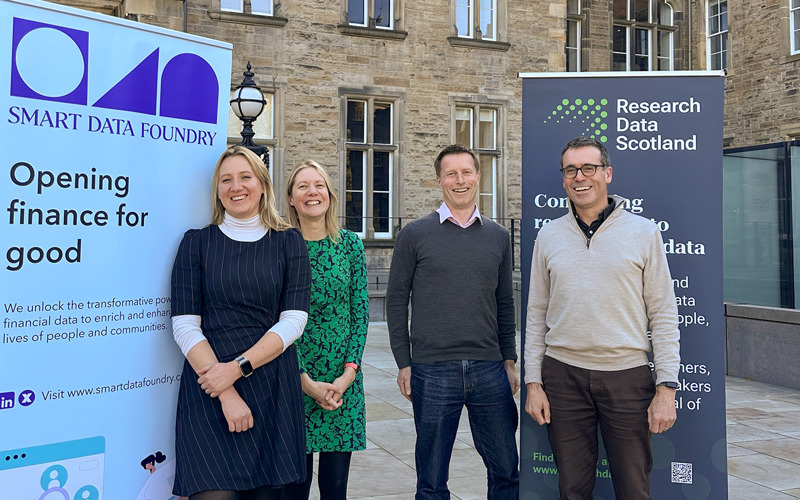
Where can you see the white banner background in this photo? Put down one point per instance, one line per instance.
(120, 122)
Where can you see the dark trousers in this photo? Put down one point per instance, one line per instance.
(439, 392)
(617, 401)
(333, 471)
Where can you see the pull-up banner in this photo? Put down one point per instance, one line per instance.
(663, 132)
(109, 134)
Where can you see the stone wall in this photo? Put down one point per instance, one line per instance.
(762, 104)
(763, 343)
(310, 59)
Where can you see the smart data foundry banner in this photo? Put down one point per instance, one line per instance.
(663, 133)
(109, 135)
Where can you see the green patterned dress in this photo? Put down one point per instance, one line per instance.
(335, 334)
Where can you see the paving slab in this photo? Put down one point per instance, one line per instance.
(766, 470)
(785, 449)
(740, 489)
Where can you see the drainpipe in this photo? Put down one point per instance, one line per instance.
(185, 11)
(690, 33)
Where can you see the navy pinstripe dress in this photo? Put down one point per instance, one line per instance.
(239, 289)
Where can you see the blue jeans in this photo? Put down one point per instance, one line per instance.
(439, 392)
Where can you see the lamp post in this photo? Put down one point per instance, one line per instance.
(247, 103)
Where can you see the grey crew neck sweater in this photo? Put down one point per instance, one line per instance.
(459, 283)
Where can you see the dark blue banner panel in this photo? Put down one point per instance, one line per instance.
(664, 136)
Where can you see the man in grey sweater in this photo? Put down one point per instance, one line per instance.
(455, 266)
(600, 295)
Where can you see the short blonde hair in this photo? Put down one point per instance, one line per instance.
(331, 215)
(267, 212)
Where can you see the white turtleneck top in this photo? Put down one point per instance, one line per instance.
(187, 329)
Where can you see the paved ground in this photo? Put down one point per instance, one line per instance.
(763, 439)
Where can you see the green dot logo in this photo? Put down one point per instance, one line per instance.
(589, 114)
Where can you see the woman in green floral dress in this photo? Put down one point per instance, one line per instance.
(332, 344)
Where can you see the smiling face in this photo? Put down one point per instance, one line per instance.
(588, 194)
(309, 195)
(239, 190)
(459, 180)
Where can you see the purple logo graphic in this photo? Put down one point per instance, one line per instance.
(197, 101)
(31, 62)
(27, 397)
(6, 400)
(137, 90)
(38, 48)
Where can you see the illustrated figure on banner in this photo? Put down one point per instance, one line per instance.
(455, 267)
(240, 297)
(159, 483)
(600, 296)
(331, 348)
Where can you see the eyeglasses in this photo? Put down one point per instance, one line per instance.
(587, 170)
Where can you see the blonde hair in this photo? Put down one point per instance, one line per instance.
(267, 212)
(331, 216)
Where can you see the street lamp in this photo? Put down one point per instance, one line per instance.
(247, 103)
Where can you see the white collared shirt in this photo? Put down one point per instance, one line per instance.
(446, 214)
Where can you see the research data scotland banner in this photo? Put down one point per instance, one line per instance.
(663, 132)
(109, 135)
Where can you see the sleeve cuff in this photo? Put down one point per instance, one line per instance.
(187, 331)
(290, 326)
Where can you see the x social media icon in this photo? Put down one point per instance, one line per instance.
(26, 398)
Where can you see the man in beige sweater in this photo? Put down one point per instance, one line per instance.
(600, 296)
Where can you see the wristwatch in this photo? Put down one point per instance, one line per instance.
(670, 385)
(245, 366)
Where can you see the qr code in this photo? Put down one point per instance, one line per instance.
(681, 473)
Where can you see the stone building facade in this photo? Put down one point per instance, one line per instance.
(373, 89)
(762, 99)
(373, 96)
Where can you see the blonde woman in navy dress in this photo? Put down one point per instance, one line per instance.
(240, 297)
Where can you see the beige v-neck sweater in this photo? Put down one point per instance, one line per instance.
(592, 304)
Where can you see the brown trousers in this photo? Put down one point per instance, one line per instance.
(617, 401)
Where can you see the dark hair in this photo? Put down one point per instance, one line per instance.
(582, 141)
(455, 149)
(153, 459)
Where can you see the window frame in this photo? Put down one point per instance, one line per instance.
(369, 149)
(794, 28)
(627, 52)
(475, 8)
(498, 42)
(475, 104)
(722, 34)
(246, 15)
(575, 19)
(652, 28)
(223, 8)
(246, 7)
(369, 15)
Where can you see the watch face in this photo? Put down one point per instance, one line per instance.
(245, 366)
